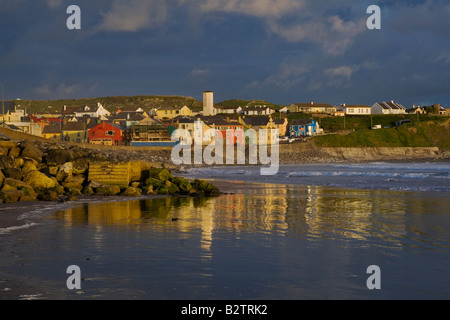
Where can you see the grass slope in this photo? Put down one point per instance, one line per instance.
(419, 134)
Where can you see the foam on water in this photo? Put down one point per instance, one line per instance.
(376, 175)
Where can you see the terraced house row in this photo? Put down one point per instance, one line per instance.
(136, 126)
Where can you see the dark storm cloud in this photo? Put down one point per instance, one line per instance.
(283, 51)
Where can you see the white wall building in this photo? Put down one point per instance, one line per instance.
(388, 108)
(357, 110)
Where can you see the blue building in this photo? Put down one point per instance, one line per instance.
(303, 127)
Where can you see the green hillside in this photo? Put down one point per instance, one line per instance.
(112, 103)
(428, 133)
(241, 103)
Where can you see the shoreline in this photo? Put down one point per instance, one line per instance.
(19, 286)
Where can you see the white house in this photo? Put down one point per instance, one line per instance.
(227, 110)
(357, 110)
(94, 112)
(257, 110)
(388, 108)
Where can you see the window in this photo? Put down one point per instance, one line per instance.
(109, 133)
(93, 133)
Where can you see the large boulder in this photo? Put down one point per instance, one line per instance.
(57, 157)
(74, 182)
(14, 152)
(33, 152)
(39, 180)
(206, 188)
(28, 166)
(160, 174)
(16, 183)
(108, 190)
(80, 165)
(11, 196)
(13, 173)
(132, 192)
(183, 185)
(172, 188)
(64, 171)
(4, 150)
(6, 162)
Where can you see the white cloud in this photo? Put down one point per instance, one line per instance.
(134, 15)
(341, 72)
(199, 72)
(333, 33)
(257, 8)
(54, 3)
(62, 90)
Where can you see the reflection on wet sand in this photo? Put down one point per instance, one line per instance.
(312, 212)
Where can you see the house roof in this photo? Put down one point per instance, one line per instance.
(89, 109)
(256, 121)
(74, 126)
(66, 110)
(278, 121)
(117, 126)
(171, 108)
(254, 108)
(132, 116)
(52, 128)
(391, 105)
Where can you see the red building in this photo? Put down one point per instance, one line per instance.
(232, 131)
(106, 133)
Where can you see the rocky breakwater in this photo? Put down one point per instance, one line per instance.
(30, 171)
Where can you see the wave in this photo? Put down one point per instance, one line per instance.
(409, 175)
(14, 228)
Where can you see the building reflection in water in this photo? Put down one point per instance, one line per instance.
(294, 211)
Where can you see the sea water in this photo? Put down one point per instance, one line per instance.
(310, 232)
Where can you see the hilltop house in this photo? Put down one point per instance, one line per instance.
(228, 110)
(256, 111)
(97, 111)
(415, 110)
(303, 127)
(106, 133)
(357, 110)
(172, 112)
(312, 107)
(388, 108)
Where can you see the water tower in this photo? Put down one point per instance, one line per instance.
(208, 103)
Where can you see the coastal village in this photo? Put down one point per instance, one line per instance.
(134, 126)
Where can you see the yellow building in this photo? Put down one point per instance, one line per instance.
(266, 123)
(172, 112)
(75, 132)
(52, 131)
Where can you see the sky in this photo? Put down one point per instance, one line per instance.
(281, 51)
